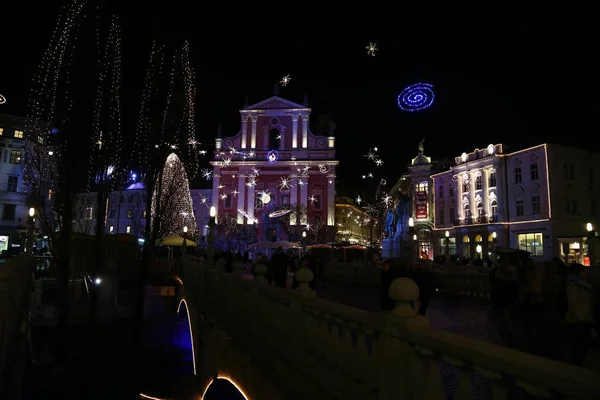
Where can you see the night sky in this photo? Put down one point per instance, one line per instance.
(516, 81)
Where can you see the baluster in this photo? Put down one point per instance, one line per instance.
(331, 339)
(431, 386)
(465, 384)
(367, 369)
(344, 346)
(498, 387)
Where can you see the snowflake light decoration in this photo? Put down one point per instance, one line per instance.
(285, 80)
(372, 49)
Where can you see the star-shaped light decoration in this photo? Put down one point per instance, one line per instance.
(372, 49)
(285, 80)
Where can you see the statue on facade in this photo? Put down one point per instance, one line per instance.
(389, 223)
(402, 215)
(422, 146)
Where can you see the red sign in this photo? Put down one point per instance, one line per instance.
(421, 204)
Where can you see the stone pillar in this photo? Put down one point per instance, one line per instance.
(331, 200)
(472, 205)
(250, 209)
(215, 191)
(295, 130)
(485, 193)
(293, 202)
(254, 118)
(459, 191)
(241, 198)
(304, 201)
(304, 131)
(244, 130)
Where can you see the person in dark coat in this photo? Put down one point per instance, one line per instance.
(388, 273)
(424, 279)
(279, 265)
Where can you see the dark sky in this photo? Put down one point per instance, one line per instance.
(516, 80)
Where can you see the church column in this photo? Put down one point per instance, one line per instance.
(215, 191)
(241, 197)
(472, 204)
(485, 195)
(254, 119)
(244, 130)
(250, 209)
(304, 131)
(331, 199)
(459, 203)
(304, 201)
(295, 130)
(293, 201)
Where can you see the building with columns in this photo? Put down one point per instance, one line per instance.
(491, 198)
(275, 173)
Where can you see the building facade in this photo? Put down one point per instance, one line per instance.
(14, 208)
(275, 174)
(126, 211)
(524, 199)
(352, 222)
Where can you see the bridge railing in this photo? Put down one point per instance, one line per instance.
(453, 281)
(16, 282)
(351, 353)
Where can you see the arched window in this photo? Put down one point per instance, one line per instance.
(478, 238)
(466, 239)
(274, 139)
(479, 210)
(494, 206)
(466, 247)
(467, 211)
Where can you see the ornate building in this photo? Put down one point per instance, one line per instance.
(276, 173)
(491, 198)
(352, 222)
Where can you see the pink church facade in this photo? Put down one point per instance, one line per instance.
(274, 162)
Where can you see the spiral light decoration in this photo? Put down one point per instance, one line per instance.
(416, 97)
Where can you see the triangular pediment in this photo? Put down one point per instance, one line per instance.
(275, 103)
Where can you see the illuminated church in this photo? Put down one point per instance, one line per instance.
(275, 174)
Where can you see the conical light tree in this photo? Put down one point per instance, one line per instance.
(172, 208)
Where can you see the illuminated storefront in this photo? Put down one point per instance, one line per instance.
(574, 250)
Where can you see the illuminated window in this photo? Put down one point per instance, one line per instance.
(40, 139)
(128, 229)
(519, 208)
(50, 194)
(535, 205)
(89, 213)
(19, 134)
(144, 214)
(478, 184)
(1, 131)
(478, 238)
(533, 169)
(15, 156)
(518, 176)
(531, 242)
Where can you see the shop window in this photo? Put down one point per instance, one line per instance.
(531, 242)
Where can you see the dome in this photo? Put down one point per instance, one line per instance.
(421, 159)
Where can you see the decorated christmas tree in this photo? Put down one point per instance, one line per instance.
(172, 208)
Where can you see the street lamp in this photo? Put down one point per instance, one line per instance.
(185, 229)
(447, 234)
(589, 227)
(210, 250)
(411, 222)
(29, 245)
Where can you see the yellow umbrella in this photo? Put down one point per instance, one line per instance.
(176, 240)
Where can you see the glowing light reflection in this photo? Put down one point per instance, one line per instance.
(228, 380)
(187, 310)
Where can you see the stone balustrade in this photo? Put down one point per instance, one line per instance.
(308, 347)
(16, 281)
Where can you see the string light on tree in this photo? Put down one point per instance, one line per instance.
(416, 97)
(172, 206)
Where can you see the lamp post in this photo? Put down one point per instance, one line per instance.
(303, 242)
(447, 234)
(29, 245)
(210, 249)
